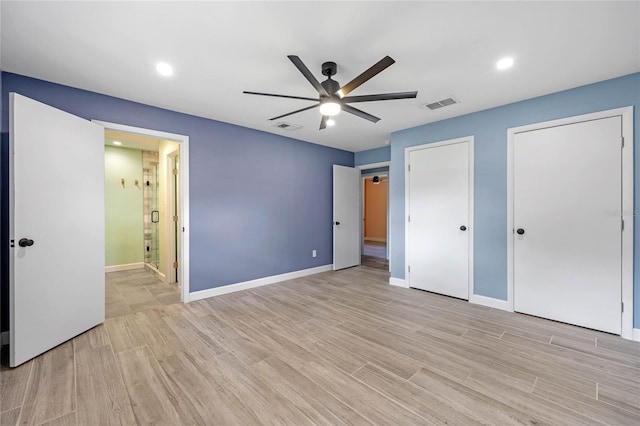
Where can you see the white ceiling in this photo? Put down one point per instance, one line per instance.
(219, 49)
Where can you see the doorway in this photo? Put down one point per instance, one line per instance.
(375, 192)
(166, 210)
(140, 203)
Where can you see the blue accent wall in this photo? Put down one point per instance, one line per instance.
(259, 202)
(371, 156)
(489, 128)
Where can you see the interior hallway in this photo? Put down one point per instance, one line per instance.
(374, 255)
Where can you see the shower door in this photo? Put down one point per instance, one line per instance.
(151, 210)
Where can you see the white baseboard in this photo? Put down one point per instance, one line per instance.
(377, 240)
(398, 282)
(489, 301)
(4, 338)
(125, 267)
(203, 294)
(154, 271)
(636, 335)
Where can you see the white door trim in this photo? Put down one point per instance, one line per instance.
(183, 140)
(627, 203)
(471, 226)
(170, 231)
(373, 165)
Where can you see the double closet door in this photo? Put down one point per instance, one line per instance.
(439, 217)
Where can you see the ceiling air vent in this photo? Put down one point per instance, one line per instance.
(442, 103)
(287, 126)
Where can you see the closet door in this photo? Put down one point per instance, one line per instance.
(567, 236)
(439, 234)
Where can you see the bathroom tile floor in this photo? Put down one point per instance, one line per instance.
(137, 290)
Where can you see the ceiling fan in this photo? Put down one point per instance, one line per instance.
(332, 98)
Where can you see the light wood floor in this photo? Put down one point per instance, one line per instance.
(128, 292)
(335, 348)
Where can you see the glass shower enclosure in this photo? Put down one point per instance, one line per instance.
(151, 210)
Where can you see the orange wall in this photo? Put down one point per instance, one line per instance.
(375, 209)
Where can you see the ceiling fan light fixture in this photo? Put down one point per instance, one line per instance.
(330, 108)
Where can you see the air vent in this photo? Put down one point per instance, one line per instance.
(442, 103)
(287, 126)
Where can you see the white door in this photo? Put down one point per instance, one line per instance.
(567, 239)
(439, 219)
(346, 217)
(56, 227)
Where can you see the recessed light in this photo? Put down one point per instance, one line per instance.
(331, 122)
(164, 69)
(117, 143)
(387, 142)
(504, 63)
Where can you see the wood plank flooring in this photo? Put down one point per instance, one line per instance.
(330, 349)
(137, 290)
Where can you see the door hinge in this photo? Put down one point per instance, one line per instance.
(622, 137)
(175, 172)
(13, 243)
(622, 220)
(175, 264)
(408, 218)
(408, 167)
(408, 268)
(175, 218)
(622, 307)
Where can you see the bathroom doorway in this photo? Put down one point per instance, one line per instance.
(142, 214)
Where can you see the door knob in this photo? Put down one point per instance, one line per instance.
(25, 242)
(463, 228)
(520, 231)
(336, 223)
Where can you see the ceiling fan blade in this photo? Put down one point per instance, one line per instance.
(280, 96)
(295, 112)
(323, 122)
(307, 74)
(359, 80)
(380, 97)
(361, 114)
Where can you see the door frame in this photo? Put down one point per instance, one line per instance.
(183, 140)
(471, 225)
(627, 203)
(170, 227)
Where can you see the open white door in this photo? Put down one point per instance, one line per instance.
(346, 217)
(56, 184)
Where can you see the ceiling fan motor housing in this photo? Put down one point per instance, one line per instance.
(331, 86)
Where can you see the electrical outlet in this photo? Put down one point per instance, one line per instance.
(313, 253)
